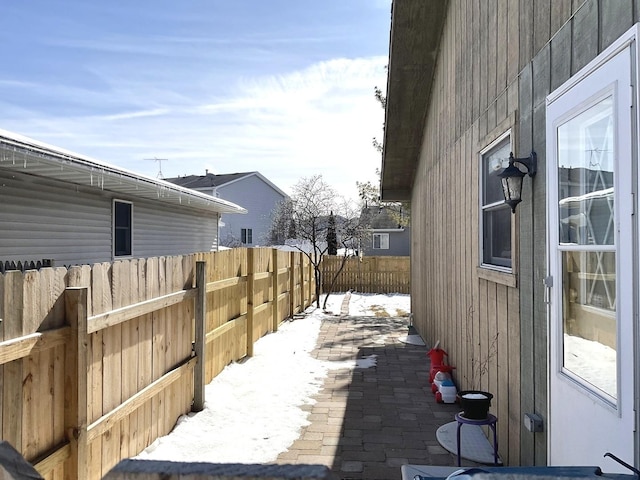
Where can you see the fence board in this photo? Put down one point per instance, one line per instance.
(366, 274)
(111, 419)
(12, 375)
(75, 413)
(145, 356)
(98, 354)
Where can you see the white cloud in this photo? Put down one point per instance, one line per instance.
(318, 120)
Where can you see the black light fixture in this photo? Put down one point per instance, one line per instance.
(512, 178)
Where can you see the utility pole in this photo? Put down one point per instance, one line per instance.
(159, 160)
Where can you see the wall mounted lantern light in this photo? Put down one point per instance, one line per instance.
(512, 178)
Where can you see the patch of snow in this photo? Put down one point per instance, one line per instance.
(253, 410)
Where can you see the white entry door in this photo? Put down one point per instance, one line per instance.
(591, 258)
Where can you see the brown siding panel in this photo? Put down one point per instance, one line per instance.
(615, 19)
(585, 36)
(498, 60)
(560, 58)
(560, 13)
(541, 24)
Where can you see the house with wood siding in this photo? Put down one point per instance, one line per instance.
(539, 307)
(256, 193)
(65, 207)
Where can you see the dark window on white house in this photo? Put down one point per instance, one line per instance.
(246, 236)
(122, 228)
(495, 213)
(381, 241)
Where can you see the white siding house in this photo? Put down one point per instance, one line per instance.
(60, 206)
(253, 191)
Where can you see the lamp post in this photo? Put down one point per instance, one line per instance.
(512, 176)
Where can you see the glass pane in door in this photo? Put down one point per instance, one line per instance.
(589, 318)
(586, 212)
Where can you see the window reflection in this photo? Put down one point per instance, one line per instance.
(585, 177)
(586, 159)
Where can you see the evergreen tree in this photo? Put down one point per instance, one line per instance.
(292, 229)
(306, 217)
(332, 238)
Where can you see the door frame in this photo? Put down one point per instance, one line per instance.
(630, 39)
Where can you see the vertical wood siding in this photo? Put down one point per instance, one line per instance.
(498, 60)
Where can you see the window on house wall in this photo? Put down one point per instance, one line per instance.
(246, 235)
(381, 241)
(495, 215)
(122, 228)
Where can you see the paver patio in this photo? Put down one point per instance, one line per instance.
(366, 423)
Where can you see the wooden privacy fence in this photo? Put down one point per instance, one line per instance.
(96, 362)
(367, 274)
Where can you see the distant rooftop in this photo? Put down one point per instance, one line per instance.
(379, 218)
(211, 180)
(207, 180)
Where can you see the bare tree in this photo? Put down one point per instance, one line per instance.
(370, 193)
(332, 235)
(281, 223)
(353, 232)
(311, 203)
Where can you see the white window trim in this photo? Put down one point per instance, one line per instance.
(381, 247)
(483, 265)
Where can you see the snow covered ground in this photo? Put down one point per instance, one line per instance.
(253, 409)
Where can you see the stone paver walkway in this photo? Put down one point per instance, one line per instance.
(368, 422)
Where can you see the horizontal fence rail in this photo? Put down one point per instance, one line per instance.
(98, 361)
(366, 274)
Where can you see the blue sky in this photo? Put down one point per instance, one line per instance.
(282, 87)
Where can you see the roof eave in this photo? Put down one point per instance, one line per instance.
(416, 29)
(18, 153)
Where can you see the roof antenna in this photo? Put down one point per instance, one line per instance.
(159, 160)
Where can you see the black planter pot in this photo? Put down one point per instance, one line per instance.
(475, 403)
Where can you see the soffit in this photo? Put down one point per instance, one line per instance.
(416, 28)
(27, 156)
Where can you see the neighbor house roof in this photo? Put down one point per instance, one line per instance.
(22, 154)
(416, 28)
(210, 180)
(379, 218)
(205, 181)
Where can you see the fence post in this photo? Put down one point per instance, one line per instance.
(302, 292)
(292, 283)
(312, 283)
(76, 373)
(12, 311)
(274, 288)
(200, 346)
(251, 268)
